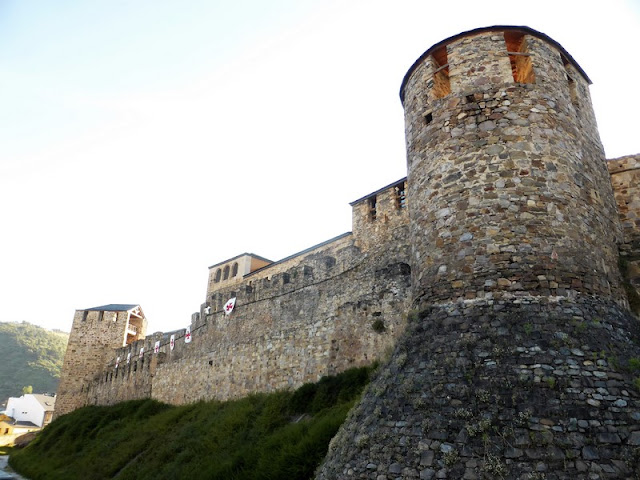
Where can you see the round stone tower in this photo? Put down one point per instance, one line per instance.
(508, 186)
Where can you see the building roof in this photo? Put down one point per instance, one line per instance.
(380, 190)
(48, 402)
(252, 255)
(307, 250)
(25, 424)
(502, 28)
(113, 307)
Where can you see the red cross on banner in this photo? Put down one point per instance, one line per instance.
(187, 335)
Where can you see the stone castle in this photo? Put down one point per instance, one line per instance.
(500, 278)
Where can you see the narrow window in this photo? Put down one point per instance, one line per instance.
(401, 195)
(225, 275)
(441, 83)
(573, 90)
(373, 201)
(234, 271)
(428, 118)
(100, 316)
(84, 316)
(519, 57)
(285, 278)
(573, 86)
(218, 275)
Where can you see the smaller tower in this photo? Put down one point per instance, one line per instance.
(94, 334)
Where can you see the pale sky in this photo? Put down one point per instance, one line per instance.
(143, 141)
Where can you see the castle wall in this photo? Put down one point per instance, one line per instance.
(334, 306)
(508, 185)
(625, 177)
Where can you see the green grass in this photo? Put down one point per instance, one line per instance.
(4, 450)
(257, 437)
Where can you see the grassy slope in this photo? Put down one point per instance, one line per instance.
(30, 355)
(251, 438)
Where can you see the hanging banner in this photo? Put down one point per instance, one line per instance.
(128, 358)
(172, 342)
(117, 362)
(156, 349)
(141, 352)
(228, 307)
(187, 335)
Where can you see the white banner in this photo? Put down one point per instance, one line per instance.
(187, 335)
(228, 307)
(172, 342)
(128, 358)
(156, 349)
(141, 352)
(117, 362)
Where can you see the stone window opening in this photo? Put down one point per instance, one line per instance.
(286, 278)
(225, 274)
(401, 195)
(234, 270)
(85, 314)
(441, 83)
(519, 57)
(373, 212)
(428, 118)
(218, 275)
(573, 86)
(100, 316)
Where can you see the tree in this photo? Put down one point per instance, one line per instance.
(27, 389)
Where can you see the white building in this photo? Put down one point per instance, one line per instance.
(34, 408)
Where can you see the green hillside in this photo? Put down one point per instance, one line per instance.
(29, 355)
(283, 435)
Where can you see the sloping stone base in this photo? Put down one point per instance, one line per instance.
(528, 388)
